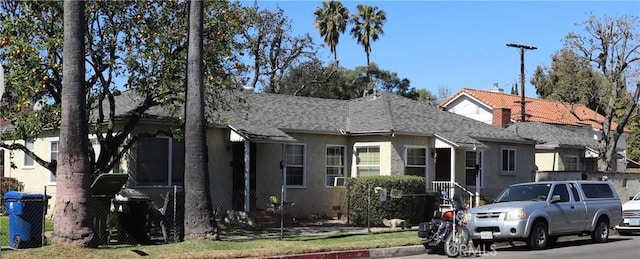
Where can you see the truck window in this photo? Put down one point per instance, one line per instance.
(574, 190)
(561, 189)
(597, 190)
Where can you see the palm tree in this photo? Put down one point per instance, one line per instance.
(199, 220)
(331, 21)
(367, 28)
(73, 216)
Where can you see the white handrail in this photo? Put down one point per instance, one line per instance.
(446, 185)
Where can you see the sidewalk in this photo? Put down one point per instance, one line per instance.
(324, 230)
(364, 253)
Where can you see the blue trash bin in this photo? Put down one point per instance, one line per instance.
(26, 215)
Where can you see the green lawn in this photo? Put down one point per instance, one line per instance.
(229, 249)
(4, 229)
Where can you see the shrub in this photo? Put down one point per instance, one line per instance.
(410, 206)
(8, 184)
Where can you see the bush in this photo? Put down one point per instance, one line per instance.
(8, 184)
(409, 207)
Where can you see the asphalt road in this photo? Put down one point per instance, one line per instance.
(618, 247)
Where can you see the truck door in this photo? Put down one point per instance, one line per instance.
(562, 211)
(578, 219)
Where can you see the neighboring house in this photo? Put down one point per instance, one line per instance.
(312, 145)
(500, 109)
(557, 149)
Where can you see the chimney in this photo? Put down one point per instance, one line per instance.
(497, 89)
(501, 117)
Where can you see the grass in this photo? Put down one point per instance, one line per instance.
(229, 249)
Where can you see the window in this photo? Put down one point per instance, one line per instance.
(415, 161)
(294, 163)
(561, 190)
(574, 191)
(597, 190)
(160, 162)
(472, 167)
(335, 164)
(53, 155)
(28, 161)
(570, 163)
(508, 160)
(368, 161)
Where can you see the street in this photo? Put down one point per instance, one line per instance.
(619, 247)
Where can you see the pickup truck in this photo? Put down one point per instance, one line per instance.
(539, 212)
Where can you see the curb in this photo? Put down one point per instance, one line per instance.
(363, 253)
(397, 251)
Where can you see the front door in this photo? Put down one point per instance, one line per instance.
(443, 164)
(238, 176)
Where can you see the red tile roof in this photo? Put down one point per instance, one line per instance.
(551, 112)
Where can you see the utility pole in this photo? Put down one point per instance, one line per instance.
(522, 48)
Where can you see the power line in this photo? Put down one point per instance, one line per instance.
(522, 49)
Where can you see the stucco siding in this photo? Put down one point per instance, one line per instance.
(494, 179)
(220, 169)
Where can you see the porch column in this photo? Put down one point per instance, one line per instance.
(247, 167)
(453, 172)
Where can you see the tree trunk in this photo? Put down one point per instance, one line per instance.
(199, 220)
(73, 216)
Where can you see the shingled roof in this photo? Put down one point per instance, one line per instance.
(539, 110)
(552, 136)
(270, 116)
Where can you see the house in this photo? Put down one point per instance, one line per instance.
(557, 149)
(311, 145)
(500, 109)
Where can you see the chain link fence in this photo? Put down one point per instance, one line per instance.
(148, 216)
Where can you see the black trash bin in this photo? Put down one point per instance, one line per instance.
(431, 205)
(132, 207)
(26, 218)
(103, 190)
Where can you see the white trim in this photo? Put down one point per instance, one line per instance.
(49, 182)
(304, 164)
(515, 160)
(25, 156)
(478, 159)
(426, 159)
(577, 160)
(344, 165)
(355, 156)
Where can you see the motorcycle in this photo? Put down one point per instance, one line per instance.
(446, 231)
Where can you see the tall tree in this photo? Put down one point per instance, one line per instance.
(569, 79)
(271, 47)
(199, 222)
(133, 46)
(613, 46)
(73, 215)
(331, 20)
(368, 28)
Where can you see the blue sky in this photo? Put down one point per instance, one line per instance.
(456, 44)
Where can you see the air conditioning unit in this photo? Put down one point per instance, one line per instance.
(339, 181)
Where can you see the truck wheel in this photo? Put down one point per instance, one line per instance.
(538, 237)
(601, 233)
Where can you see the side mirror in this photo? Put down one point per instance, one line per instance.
(555, 198)
(631, 198)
